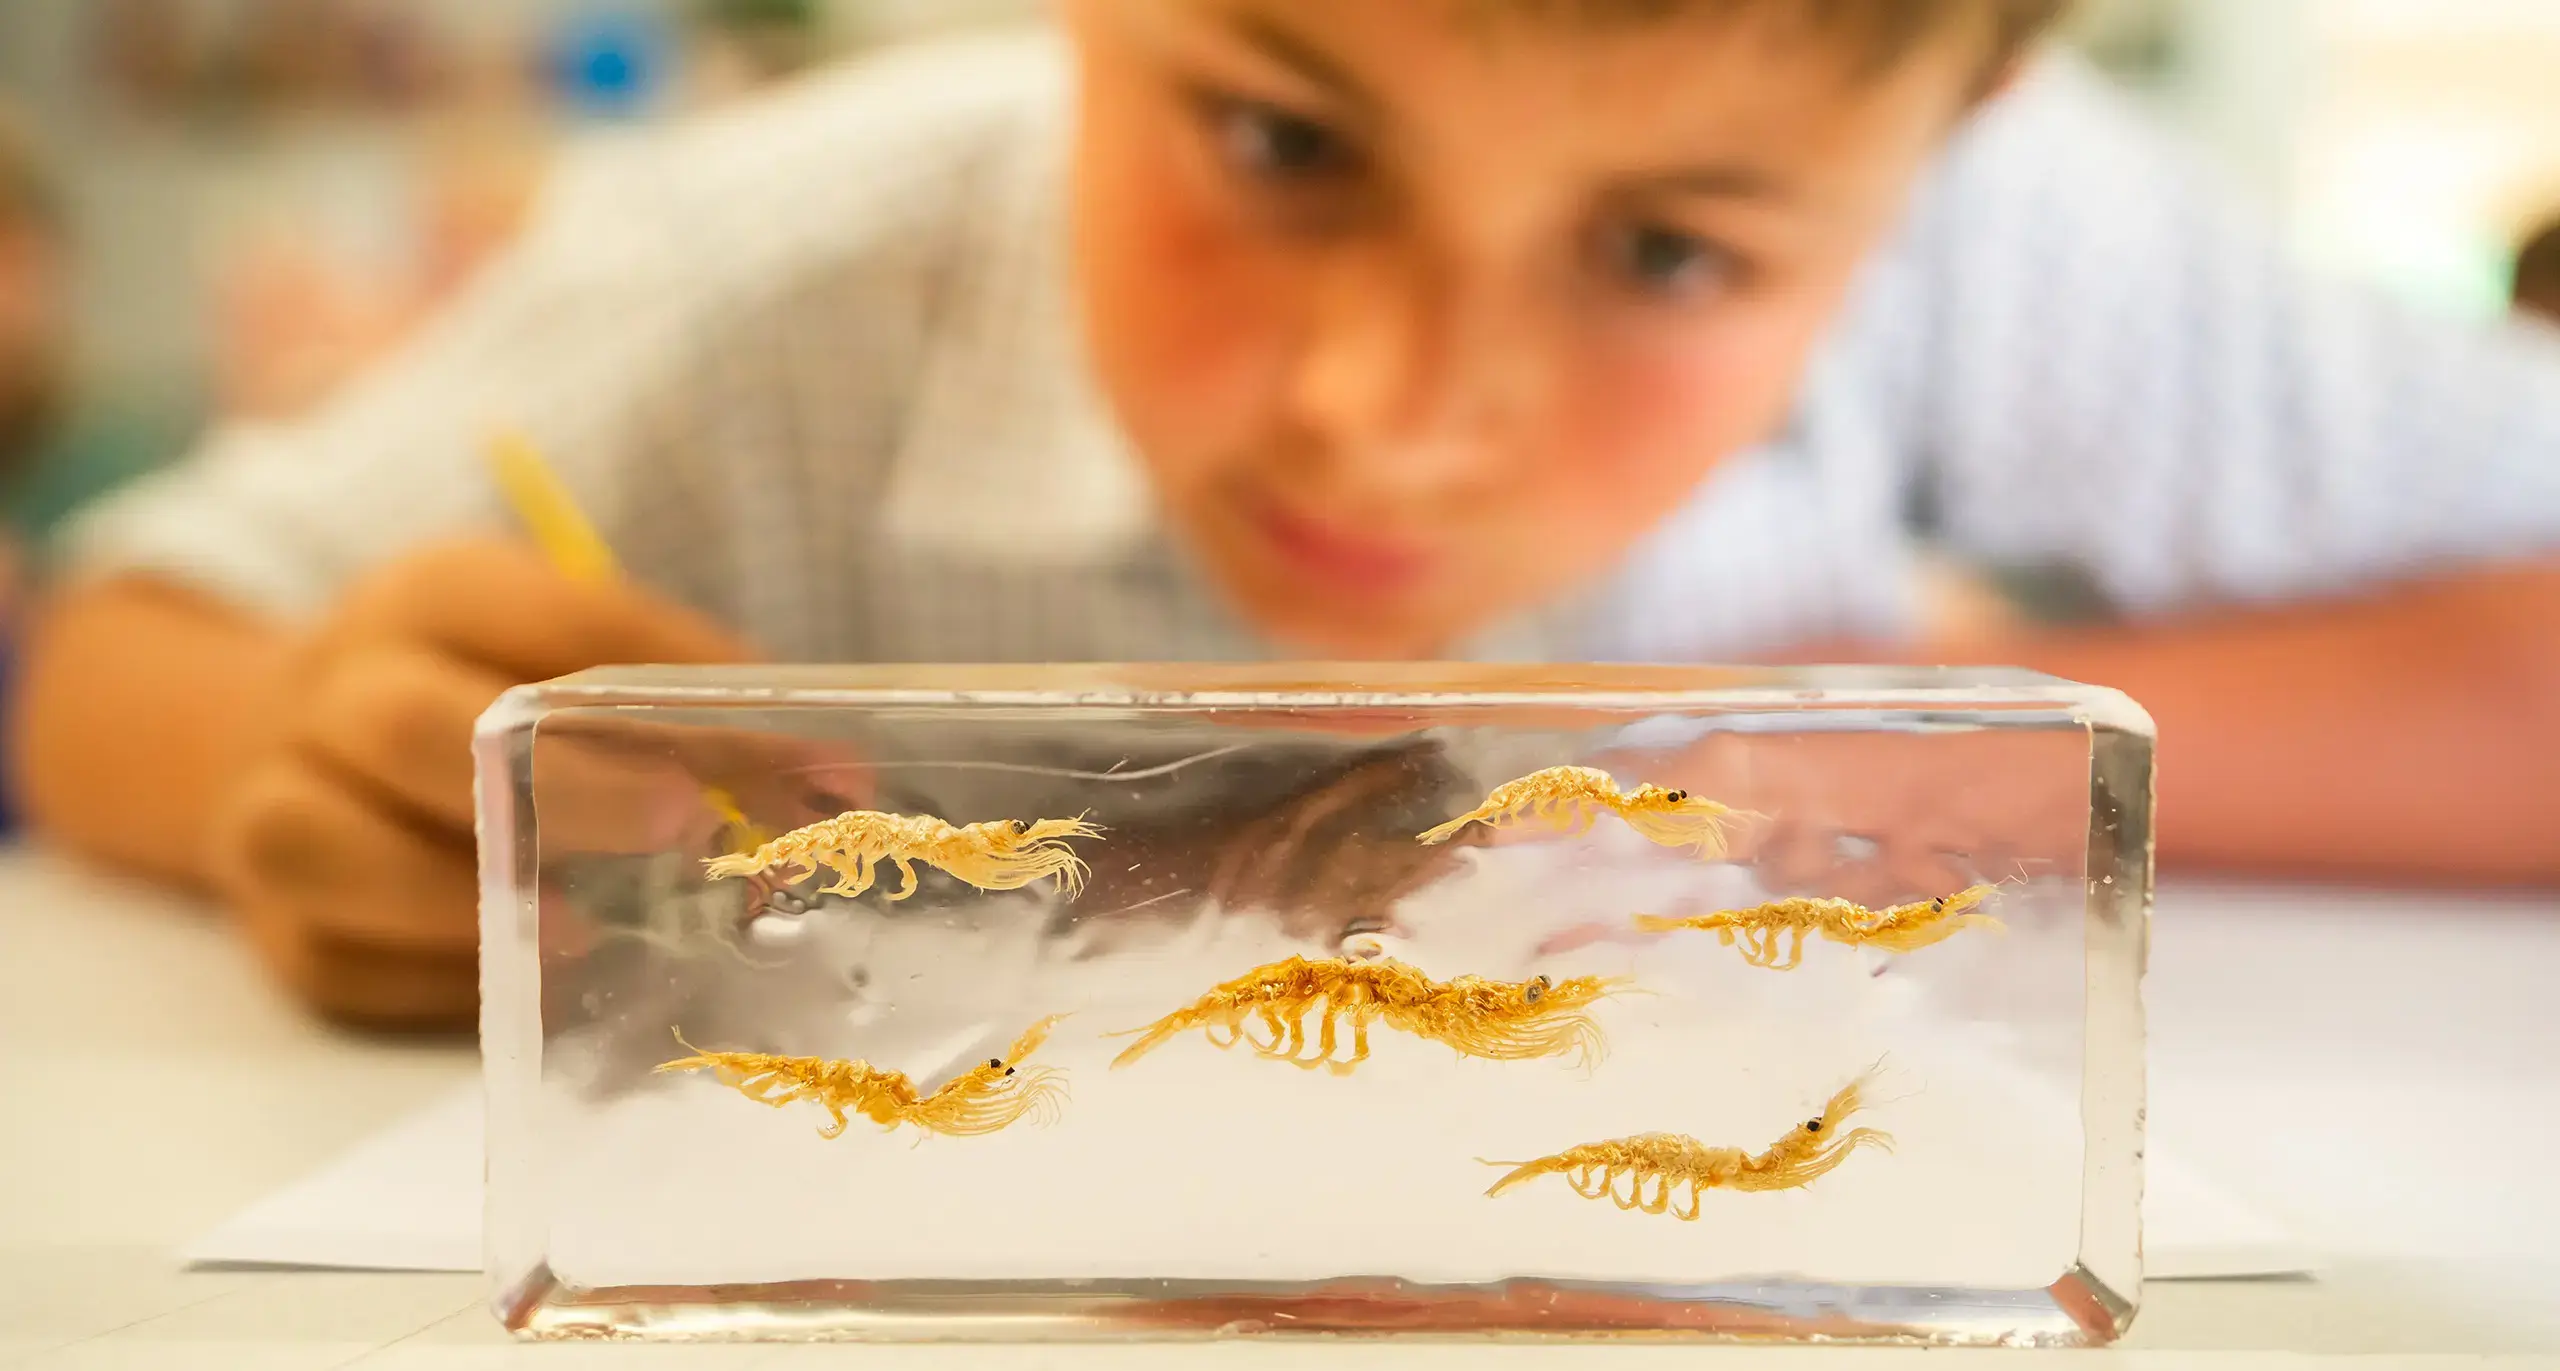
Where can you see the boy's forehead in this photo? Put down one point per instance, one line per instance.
(1859, 39)
(1810, 43)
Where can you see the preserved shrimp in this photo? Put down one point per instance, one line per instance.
(982, 1099)
(1267, 1009)
(1667, 1161)
(1570, 799)
(1001, 854)
(1901, 928)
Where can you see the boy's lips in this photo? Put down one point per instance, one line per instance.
(1332, 553)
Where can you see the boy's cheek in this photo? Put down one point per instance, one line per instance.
(1187, 320)
(1640, 427)
(1634, 433)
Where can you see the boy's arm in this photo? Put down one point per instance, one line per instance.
(260, 669)
(319, 778)
(2325, 524)
(163, 663)
(140, 706)
(145, 705)
(2413, 734)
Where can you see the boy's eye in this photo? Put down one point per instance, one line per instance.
(1272, 144)
(1664, 261)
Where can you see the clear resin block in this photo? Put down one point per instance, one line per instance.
(1229, 1182)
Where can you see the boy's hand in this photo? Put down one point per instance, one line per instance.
(347, 846)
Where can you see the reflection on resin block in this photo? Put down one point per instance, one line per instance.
(1169, 1001)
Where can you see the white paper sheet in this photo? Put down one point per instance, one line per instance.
(410, 1200)
(406, 1199)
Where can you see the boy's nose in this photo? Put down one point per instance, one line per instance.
(1396, 362)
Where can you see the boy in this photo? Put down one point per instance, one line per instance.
(1572, 329)
(60, 446)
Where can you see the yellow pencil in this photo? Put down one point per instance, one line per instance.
(547, 511)
(566, 536)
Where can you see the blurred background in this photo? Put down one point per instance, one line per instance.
(244, 200)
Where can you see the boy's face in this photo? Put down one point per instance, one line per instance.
(1422, 311)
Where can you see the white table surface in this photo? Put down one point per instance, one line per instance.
(2381, 1070)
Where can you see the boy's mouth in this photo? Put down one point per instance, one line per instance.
(1336, 555)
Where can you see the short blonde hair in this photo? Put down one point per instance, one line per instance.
(1878, 33)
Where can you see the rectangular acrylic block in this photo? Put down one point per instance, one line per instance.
(1249, 815)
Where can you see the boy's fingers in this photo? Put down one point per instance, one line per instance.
(365, 987)
(611, 784)
(500, 603)
(596, 801)
(398, 716)
(303, 846)
(370, 988)
(779, 772)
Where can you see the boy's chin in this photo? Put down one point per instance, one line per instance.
(1306, 619)
(1312, 630)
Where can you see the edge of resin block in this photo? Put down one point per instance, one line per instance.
(510, 994)
(2075, 1311)
(2104, 1287)
(2091, 1303)
(1321, 682)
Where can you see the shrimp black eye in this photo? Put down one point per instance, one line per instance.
(1938, 905)
(1678, 797)
(1813, 1125)
(995, 1061)
(1008, 1071)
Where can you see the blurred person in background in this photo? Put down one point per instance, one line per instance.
(1560, 329)
(32, 313)
(2537, 278)
(58, 450)
(30, 364)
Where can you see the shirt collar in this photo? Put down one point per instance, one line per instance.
(1011, 457)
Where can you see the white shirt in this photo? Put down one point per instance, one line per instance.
(812, 366)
